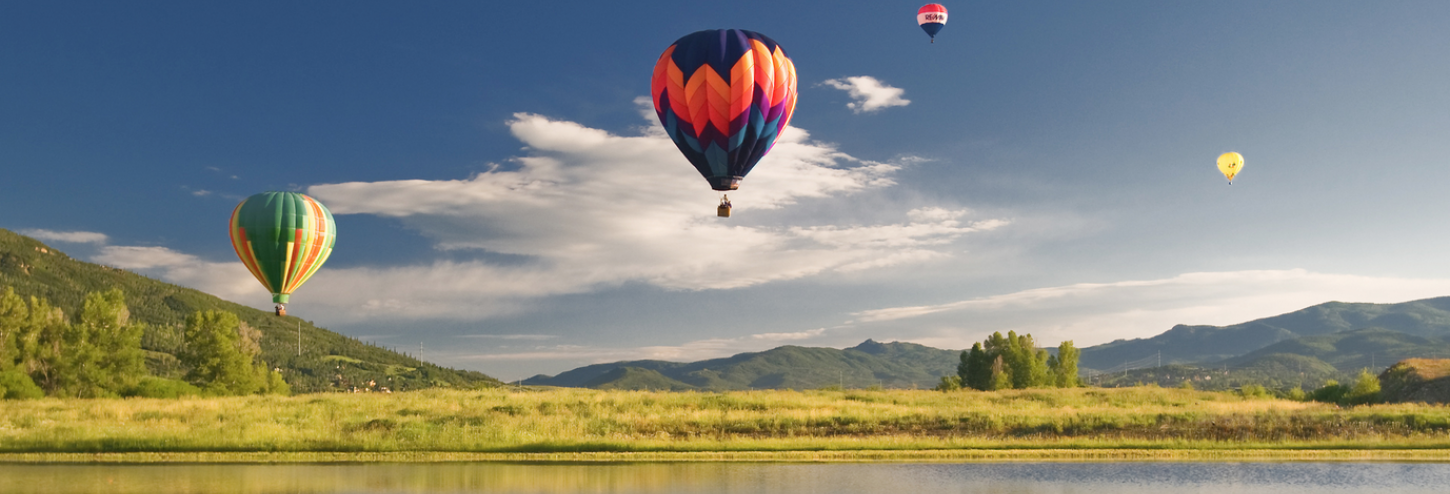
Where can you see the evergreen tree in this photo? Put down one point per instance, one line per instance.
(1064, 366)
(976, 369)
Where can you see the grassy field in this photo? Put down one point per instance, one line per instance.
(847, 424)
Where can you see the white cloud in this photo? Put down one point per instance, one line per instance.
(228, 280)
(1094, 313)
(590, 209)
(67, 237)
(869, 94)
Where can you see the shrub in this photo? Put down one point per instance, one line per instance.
(1332, 392)
(1366, 389)
(160, 387)
(949, 383)
(17, 386)
(1254, 391)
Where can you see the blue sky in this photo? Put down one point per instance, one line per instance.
(504, 200)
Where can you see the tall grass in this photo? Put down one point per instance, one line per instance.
(581, 420)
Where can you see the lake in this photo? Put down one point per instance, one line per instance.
(690, 477)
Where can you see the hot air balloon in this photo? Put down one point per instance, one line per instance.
(282, 238)
(724, 95)
(1230, 164)
(932, 17)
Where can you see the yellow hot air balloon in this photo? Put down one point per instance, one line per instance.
(1230, 164)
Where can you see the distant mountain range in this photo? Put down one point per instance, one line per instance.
(327, 360)
(1429, 318)
(1302, 348)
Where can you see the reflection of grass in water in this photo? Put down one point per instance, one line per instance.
(573, 420)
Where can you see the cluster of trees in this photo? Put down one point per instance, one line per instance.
(100, 353)
(1364, 391)
(1014, 362)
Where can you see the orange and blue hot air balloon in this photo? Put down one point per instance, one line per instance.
(932, 17)
(724, 96)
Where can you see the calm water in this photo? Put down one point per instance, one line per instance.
(833, 478)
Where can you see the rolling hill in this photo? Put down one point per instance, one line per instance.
(890, 365)
(326, 360)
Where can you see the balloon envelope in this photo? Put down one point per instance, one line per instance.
(724, 95)
(1230, 164)
(932, 17)
(283, 238)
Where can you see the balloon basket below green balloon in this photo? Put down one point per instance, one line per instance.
(280, 310)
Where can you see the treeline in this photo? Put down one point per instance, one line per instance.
(1014, 362)
(99, 354)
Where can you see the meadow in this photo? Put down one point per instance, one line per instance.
(815, 423)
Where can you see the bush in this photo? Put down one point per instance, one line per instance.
(160, 387)
(1297, 394)
(949, 383)
(1254, 391)
(1332, 392)
(17, 386)
(1366, 390)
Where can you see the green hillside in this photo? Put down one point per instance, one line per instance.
(1305, 362)
(635, 378)
(888, 365)
(328, 361)
(1197, 344)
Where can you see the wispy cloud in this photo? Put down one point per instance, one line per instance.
(526, 337)
(1093, 313)
(686, 352)
(869, 94)
(67, 237)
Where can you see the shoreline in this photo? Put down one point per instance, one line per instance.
(931, 456)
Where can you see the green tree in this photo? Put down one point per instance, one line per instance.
(106, 357)
(1366, 389)
(1332, 392)
(13, 313)
(975, 370)
(43, 347)
(949, 383)
(224, 356)
(1064, 366)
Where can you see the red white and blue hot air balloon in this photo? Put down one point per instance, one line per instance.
(932, 17)
(724, 96)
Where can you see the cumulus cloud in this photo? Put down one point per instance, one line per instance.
(67, 237)
(869, 94)
(589, 209)
(1094, 313)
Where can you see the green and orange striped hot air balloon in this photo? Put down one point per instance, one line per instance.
(283, 238)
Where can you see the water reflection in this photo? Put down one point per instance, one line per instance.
(794, 478)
